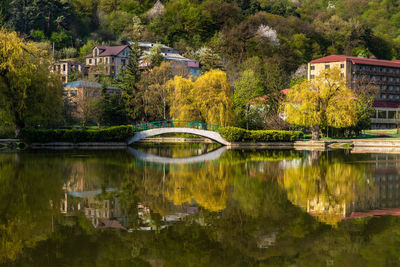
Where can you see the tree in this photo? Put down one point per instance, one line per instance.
(182, 101)
(29, 94)
(87, 49)
(208, 99)
(247, 87)
(155, 57)
(128, 81)
(156, 91)
(323, 101)
(112, 109)
(133, 31)
(89, 104)
(208, 59)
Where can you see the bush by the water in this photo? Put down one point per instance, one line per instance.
(234, 134)
(112, 134)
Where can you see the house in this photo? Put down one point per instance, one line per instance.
(384, 74)
(66, 67)
(80, 93)
(173, 56)
(107, 60)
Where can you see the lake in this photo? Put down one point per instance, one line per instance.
(199, 205)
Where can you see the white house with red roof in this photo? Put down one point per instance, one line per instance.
(384, 74)
(107, 60)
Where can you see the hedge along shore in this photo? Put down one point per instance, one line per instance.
(112, 137)
(116, 137)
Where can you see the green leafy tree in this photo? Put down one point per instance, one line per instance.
(247, 87)
(128, 81)
(155, 57)
(156, 92)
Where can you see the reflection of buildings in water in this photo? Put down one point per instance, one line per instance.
(381, 196)
(101, 213)
(146, 223)
(266, 241)
(107, 214)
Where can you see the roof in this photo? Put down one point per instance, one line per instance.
(379, 104)
(87, 84)
(357, 60)
(109, 50)
(148, 44)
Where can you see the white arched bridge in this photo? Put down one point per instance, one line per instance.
(162, 127)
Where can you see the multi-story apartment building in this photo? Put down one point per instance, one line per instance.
(107, 60)
(67, 67)
(383, 74)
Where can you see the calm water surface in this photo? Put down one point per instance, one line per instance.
(144, 207)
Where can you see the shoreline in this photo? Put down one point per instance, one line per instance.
(382, 145)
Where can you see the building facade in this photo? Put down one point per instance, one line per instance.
(382, 74)
(107, 60)
(66, 68)
(79, 94)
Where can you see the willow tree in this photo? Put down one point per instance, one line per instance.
(323, 101)
(29, 94)
(207, 99)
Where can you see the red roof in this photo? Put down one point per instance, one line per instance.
(109, 50)
(379, 104)
(357, 60)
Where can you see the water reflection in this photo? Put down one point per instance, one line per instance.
(248, 207)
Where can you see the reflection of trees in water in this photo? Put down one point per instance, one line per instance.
(29, 200)
(325, 186)
(208, 186)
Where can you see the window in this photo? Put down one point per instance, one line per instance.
(341, 74)
(312, 76)
(381, 114)
(327, 66)
(73, 92)
(312, 67)
(106, 59)
(63, 67)
(65, 93)
(342, 66)
(391, 114)
(90, 61)
(123, 62)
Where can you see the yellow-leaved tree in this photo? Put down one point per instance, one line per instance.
(323, 101)
(207, 99)
(29, 93)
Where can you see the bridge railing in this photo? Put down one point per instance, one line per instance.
(177, 124)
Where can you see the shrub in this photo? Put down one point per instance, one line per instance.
(112, 134)
(233, 134)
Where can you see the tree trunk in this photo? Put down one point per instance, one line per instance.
(315, 133)
(19, 124)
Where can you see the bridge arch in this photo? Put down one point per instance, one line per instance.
(209, 156)
(215, 136)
